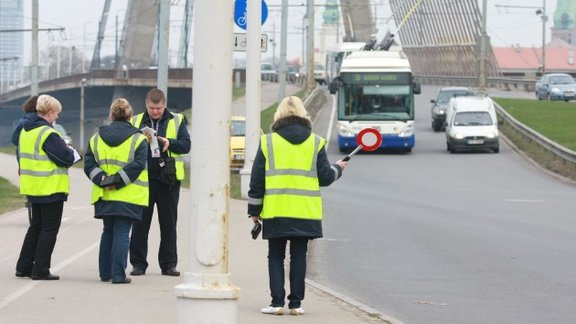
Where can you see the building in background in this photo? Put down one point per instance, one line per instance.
(11, 43)
(564, 27)
(330, 33)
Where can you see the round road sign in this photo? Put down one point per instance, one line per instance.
(369, 138)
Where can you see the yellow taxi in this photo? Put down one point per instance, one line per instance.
(237, 141)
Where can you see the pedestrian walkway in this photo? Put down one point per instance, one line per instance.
(80, 297)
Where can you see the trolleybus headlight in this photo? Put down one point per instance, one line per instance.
(406, 131)
(344, 131)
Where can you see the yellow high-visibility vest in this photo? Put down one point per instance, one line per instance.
(292, 188)
(39, 176)
(171, 133)
(111, 160)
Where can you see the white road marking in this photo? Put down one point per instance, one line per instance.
(26, 288)
(523, 200)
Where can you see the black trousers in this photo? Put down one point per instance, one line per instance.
(166, 199)
(40, 239)
(276, 255)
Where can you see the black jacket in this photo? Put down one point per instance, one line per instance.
(295, 130)
(114, 135)
(57, 151)
(25, 117)
(180, 145)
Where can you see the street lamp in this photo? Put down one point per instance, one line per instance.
(542, 14)
(82, 84)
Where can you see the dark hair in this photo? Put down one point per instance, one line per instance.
(30, 104)
(155, 96)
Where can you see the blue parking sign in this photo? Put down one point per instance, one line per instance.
(240, 13)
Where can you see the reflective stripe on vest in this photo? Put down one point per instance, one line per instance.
(171, 133)
(39, 176)
(111, 160)
(292, 188)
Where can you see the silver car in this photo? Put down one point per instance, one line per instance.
(62, 131)
(556, 86)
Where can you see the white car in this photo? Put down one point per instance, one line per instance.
(62, 131)
(319, 73)
(471, 124)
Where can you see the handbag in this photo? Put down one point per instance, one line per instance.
(168, 170)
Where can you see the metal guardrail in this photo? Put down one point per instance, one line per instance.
(470, 81)
(560, 151)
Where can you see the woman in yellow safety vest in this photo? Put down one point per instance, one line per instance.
(43, 159)
(289, 168)
(116, 164)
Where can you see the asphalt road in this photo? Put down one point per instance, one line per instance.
(432, 237)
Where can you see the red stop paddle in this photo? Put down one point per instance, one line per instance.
(369, 139)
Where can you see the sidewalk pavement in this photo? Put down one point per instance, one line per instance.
(80, 297)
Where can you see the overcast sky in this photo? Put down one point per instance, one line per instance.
(506, 27)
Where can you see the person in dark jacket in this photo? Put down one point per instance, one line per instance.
(289, 168)
(43, 160)
(116, 164)
(29, 108)
(173, 141)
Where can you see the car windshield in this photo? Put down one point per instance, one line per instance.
(238, 128)
(472, 118)
(561, 79)
(445, 96)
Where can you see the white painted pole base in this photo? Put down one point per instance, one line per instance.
(245, 182)
(207, 298)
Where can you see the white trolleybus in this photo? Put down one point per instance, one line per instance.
(334, 56)
(375, 89)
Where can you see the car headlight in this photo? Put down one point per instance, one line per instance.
(492, 135)
(345, 131)
(439, 111)
(555, 90)
(457, 135)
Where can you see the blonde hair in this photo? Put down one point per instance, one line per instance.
(46, 104)
(291, 106)
(120, 110)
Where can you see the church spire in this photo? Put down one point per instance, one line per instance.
(331, 13)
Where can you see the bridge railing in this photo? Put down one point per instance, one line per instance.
(177, 78)
(500, 83)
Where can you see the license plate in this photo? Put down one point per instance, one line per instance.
(238, 156)
(476, 141)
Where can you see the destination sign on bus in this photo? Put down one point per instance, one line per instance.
(376, 78)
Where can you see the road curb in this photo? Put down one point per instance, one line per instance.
(354, 303)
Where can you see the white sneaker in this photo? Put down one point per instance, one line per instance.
(297, 311)
(273, 310)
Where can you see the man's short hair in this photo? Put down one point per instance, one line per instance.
(155, 96)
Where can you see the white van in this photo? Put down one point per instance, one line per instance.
(471, 124)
